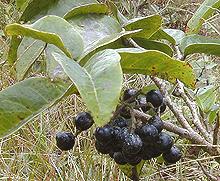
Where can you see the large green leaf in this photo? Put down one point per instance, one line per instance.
(131, 171)
(24, 100)
(12, 52)
(206, 98)
(176, 34)
(22, 4)
(162, 35)
(149, 25)
(99, 82)
(154, 45)
(200, 44)
(39, 8)
(108, 42)
(202, 14)
(155, 63)
(50, 29)
(87, 9)
(93, 27)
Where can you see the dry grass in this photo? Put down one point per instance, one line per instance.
(31, 153)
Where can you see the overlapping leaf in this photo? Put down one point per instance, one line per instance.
(87, 9)
(161, 34)
(155, 63)
(99, 82)
(200, 44)
(24, 100)
(149, 25)
(154, 45)
(49, 29)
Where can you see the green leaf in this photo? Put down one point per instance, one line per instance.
(99, 82)
(87, 9)
(108, 42)
(200, 44)
(93, 27)
(154, 45)
(176, 34)
(25, 100)
(39, 8)
(28, 55)
(12, 52)
(162, 35)
(131, 171)
(213, 113)
(22, 4)
(202, 14)
(149, 25)
(206, 98)
(50, 29)
(155, 63)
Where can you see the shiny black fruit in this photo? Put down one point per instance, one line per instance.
(129, 93)
(119, 158)
(156, 122)
(65, 140)
(173, 155)
(120, 122)
(83, 121)
(164, 143)
(155, 98)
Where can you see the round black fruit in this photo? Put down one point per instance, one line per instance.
(164, 143)
(155, 98)
(148, 133)
(65, 140)
(156, 122)
(83, 121)
(132, 144)
(173, 155)
(104, 134)
(120, 134)
(119, 158)
(129, 93)
(120, 122)
(133, 160)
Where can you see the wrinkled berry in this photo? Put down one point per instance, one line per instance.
(132, 144)
(83, 121)
(65, 140)
(103, 148)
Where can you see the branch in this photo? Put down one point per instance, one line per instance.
(193, 109)
(178, 114)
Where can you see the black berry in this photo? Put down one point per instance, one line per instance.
(119, 158)
(156, 122)
(132, 144)
(83, 121)
(65, 140)
(104, 134)
(155, 98)
(165, 142)
(120, 122)
(148, 133)
(129, 93)
(173, 155)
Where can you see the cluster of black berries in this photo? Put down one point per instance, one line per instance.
(147, 141)
(66, 140)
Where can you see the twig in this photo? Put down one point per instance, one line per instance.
(134, 176)
(208, 175)
(193, 109)
(216, 130)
